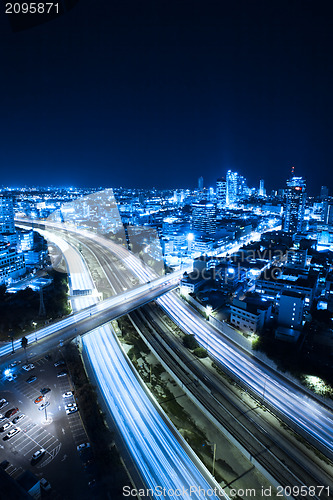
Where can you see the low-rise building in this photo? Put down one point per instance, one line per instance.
(191, 282)
(297, 258)
(12, 264)
(273, 281)
(250, 316)
(291, 307)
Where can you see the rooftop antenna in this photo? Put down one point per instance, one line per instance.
(292, 171)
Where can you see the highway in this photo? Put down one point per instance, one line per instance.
(163, 458)
(98, 314)
(272, 448)
(277, 451)
(312, 419)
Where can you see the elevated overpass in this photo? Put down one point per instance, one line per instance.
(98, 314)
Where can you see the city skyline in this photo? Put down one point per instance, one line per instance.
(157, 96)
(166, 249)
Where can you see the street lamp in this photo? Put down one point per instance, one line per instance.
(209, 310)
(34, 324)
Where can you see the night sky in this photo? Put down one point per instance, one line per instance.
(142, 93)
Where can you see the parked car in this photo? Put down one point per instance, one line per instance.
(28, 367)
(44, 484)
(2, 417)
(71, 410)
(4, 464)
(45, 390)
(83, 446)
(61, 362)
(37, 455)
(11, 412)
(63, 373)
(67, 394)
(5, 426)
(14, 363)
(70, 405)
(3, 402)
(18, 418)
(11, 377)
(31, 379)
(39, 400)
(44, 405)
(11, 433)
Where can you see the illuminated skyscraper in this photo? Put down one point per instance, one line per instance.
(221, 192)
(204, 217)
(295, 196)
(6, 215)
(200, 183)
(323, 192)
(262, 191)
(232, 178)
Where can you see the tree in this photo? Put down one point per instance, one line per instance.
(200, 352)
(24, 343)
(190, 342)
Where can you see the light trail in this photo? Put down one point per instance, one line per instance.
(162, 460)
(307, 413)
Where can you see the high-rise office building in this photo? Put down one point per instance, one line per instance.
(323, 192)
(241, 187)
(295, 196)
(204, 217)
(200, 183)
(262, 191)
(232, 178)
(221, 192)
(6, 215)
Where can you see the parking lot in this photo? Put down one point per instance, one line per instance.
(50, 427)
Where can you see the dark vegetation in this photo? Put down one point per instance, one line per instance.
(307, 356)
(19, 310)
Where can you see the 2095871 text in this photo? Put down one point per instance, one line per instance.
(31, 8)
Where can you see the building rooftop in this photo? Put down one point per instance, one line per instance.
(252, 305)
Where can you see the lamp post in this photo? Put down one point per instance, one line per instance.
(214, 456)
(34, 324)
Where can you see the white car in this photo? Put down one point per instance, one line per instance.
(45, 485)
(12, 433)
(44, 405)
(5, 426)
(70, 405)
(3, 402)
(83, 446)
(28, 367)
(67, 394)
(11, 377)
(73, 409)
